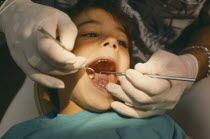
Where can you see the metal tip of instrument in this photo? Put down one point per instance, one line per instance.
(171, 78)
(90, 69)
(109, 72)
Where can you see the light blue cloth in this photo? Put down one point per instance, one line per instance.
(89, 125)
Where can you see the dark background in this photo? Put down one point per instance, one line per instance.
(11, 77)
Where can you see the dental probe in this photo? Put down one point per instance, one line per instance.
(155, 76)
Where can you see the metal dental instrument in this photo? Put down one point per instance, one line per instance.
(42, 30)
(154, 76)
(92, 72)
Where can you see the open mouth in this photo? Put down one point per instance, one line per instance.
(101, 80)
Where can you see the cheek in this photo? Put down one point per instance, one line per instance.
(124, 59)
(83, 48)
(86, 96)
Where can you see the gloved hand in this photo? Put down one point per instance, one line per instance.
(36, 54)
(153, 96)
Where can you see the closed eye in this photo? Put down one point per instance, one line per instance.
(90, 34)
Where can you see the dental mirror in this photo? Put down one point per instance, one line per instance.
(90, 72)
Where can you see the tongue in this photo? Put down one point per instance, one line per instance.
(101, 79)
(104, 79)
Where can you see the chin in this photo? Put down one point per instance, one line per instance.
(99, 103)
(101, 108)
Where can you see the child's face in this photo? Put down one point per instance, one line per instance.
(105, 45)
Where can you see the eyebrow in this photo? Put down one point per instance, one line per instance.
(88, 22)
(98, 23)
(121, 30)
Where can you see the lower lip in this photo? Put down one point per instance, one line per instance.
(100, 87)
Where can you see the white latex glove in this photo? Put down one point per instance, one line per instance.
(33, 52)
(153, 96)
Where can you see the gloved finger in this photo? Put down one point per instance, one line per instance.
(79, 62)
(39, 77)
(153, 68)
(117, 91)
(132, 111)
(70, 68)
(41, 65)
(53, 53)
(158, 106)
(144, 83)
(45, 79)
(67, 31)
(49, 25)
(139, 96)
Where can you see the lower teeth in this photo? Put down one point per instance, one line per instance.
(102, 85)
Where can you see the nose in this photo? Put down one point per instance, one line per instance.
(110, 42)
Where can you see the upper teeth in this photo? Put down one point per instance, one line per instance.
(101, 60)
(101, 85)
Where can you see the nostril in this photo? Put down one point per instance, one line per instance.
(114, 46)
(105, 44)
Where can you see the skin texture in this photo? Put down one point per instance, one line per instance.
(200, 38)
(99, 35)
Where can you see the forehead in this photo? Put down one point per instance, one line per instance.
(97, 14)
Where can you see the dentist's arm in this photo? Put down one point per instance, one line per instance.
(37, 55)
(152, 96)
(200, 38)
